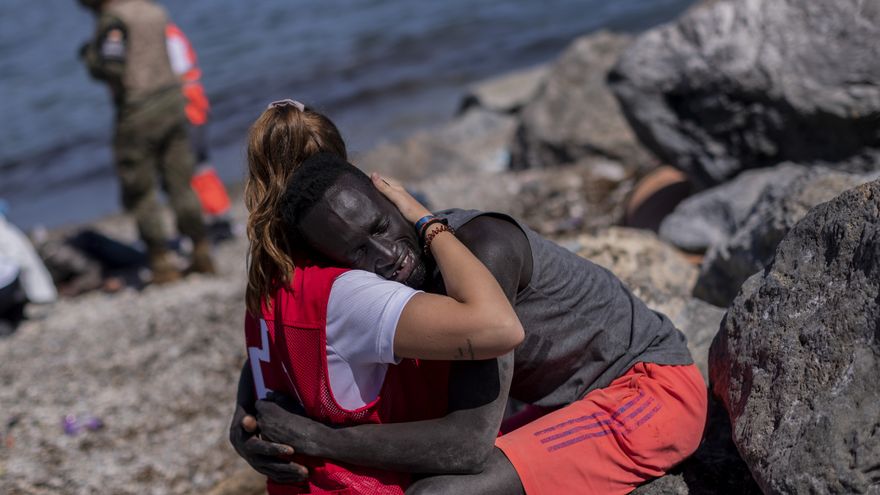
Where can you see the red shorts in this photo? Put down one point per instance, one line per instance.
(615, 438)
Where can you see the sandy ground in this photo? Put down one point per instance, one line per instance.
(158, 367)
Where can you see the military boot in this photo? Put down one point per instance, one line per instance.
(202, 261)
(163, 268)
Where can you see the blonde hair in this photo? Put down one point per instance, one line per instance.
(278, 142)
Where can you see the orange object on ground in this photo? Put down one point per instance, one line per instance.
(615, 438)
(210, 191)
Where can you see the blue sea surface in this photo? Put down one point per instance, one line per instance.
(379, 68)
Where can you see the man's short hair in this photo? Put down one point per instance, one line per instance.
(307, 185)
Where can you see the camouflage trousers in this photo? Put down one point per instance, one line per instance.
(152, 148)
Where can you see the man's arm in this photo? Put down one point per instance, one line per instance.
(105, 55)
(459, 442)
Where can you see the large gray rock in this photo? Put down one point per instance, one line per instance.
(574, 115)
(587, 195)
(797, 358)
(507, 93)
(476, 141)
(750, 249)
(712, 216)
(739, 84)
(651, 268)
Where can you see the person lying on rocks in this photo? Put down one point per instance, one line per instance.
(615, 398)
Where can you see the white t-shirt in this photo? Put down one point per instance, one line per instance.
(362, 316)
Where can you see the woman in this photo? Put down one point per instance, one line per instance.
(355, 334)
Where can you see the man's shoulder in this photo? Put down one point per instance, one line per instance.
(490, 228)
(474, 220)
(498, 241)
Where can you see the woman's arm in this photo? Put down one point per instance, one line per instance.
(474, 320)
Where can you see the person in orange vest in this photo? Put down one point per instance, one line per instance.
(207, 185)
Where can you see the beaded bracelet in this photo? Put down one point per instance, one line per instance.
(427, 224)
(431, 235)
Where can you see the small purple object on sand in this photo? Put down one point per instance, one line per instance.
(73, 425)
(68, 424)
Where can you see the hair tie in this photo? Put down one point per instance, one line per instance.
(287, 102)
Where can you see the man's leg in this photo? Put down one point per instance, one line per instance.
(499, 478)
(136, 167)
(177, 169)
(615, 438)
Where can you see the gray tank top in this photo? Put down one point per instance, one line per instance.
(583, 327)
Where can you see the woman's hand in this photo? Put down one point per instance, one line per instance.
(411, 209)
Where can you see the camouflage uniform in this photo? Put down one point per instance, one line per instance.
(129, 54)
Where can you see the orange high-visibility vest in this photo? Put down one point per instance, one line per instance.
(185, 65)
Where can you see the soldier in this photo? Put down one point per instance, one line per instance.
(128, 53)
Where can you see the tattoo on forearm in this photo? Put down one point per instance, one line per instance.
(461, 352)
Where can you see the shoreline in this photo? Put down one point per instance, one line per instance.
(229, 161)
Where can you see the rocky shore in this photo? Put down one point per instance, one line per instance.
(767, 257)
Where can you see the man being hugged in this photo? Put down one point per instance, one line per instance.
(615, 397)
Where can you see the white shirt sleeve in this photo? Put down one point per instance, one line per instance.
(362, 316)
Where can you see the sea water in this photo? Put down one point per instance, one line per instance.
(379, 68)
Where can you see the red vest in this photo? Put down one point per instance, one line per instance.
(288, 355)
